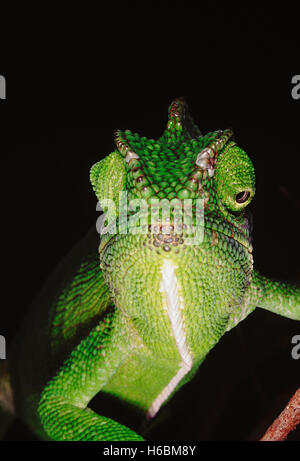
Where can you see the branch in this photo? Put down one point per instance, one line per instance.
(286, 422)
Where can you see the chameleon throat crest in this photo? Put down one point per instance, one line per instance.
(173, 304)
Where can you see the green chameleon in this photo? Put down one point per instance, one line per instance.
(136, 326)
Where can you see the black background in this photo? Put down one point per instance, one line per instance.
(75, 76)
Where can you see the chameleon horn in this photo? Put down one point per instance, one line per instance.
(215, 147)
(176, 112)
(180, 121)
(123, 145)
(207, 157)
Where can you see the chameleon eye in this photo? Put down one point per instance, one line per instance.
(242, 197)
(234, 179)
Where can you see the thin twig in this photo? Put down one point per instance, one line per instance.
(286, 422)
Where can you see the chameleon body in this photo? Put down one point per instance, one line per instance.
(134, 320)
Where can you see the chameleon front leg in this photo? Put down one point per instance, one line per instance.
(63, 405)
(279, 297)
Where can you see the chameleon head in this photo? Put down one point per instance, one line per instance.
(203, 244)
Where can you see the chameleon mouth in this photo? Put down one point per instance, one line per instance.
(229, 234)
(235, 240)
(210, 234)
(166, 237)
(210, 228)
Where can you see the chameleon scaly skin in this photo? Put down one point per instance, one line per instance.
(137, 323)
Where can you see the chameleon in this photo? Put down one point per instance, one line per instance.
(130, 316)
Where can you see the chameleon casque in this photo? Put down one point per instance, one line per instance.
(136, 324)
